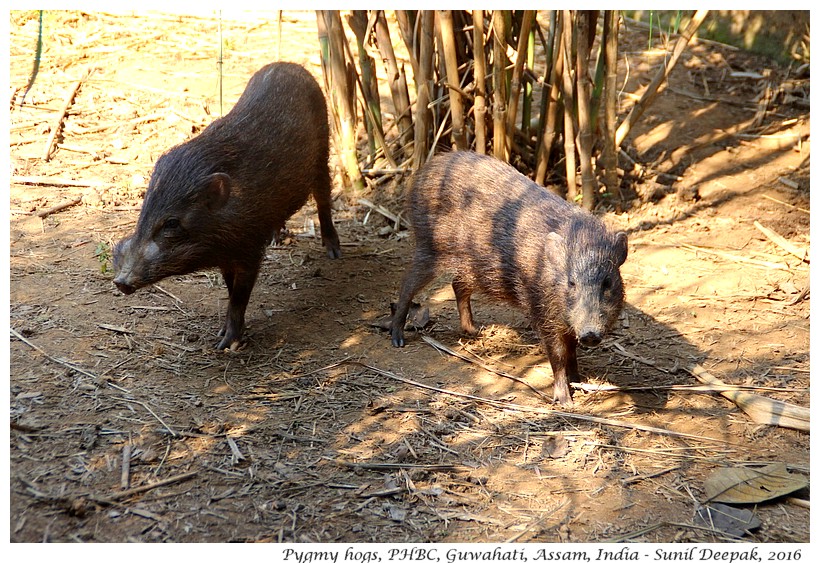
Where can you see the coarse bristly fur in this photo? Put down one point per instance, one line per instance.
(218, 199)
(497, 232)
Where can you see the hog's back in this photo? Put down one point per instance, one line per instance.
(486, 223)
(275, 142)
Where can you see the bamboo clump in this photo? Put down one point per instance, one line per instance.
(466, 65)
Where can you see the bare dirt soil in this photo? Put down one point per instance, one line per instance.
(126, 425)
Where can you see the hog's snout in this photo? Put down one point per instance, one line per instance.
(124, 286)
(590, 338)
(123, 264)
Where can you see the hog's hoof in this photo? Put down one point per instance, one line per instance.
(230, 341)
(470, 330)
(229, 346)
(398, 339)
(562, 395)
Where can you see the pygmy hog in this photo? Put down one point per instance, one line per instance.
(499, 233)
(220, 198)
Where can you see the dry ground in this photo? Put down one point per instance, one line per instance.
(306, 434)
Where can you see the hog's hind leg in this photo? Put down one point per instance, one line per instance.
(321, 193)
(463, 291)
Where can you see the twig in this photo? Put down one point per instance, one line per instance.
(436, 441)
(593, 387)
(61, 182)
(66, 364)
(783, 243)
(143, 488)
(114, 328)
(635, 478)
(727, 256)
(538, 522)
(383, 492)
(790, 183)
(397, 219)
(137, 121)
(658, 81)
(168, 293)
(383, 171)
(125, 475)
(57, 124)
(802, 295)
(786, 204)
(236, 454)
(152, 413)
(46, 212)
(439, 346)
(643, 25)
(394, 466)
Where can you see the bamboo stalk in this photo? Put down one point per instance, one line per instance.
(324, 52)
(358, 23)
(518, 68)
(406, 27)
(526, 103)
(423, 87)
(656, 86)
(569, 105)
(553, 99)
(500, 27)
(372, 117)
(480, 73)
(341, 94)
(448, 45)
(397, 80)
(609, 157)
(584, 90)
(598, 81)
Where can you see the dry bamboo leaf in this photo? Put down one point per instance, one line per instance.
(802, 253)
(554, 447)
(746, 485)
(762, 410)
(397, 514)
(732, 521)
(417, 318)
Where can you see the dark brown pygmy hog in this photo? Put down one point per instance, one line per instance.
(499, 233)
(220, 198)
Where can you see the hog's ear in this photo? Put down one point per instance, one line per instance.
(555, 243)
(621, 248)
(217, 190)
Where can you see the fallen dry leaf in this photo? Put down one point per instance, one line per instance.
(747, 485)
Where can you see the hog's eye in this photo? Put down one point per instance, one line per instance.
(571, 284)
(172, 227)
(607, 284)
